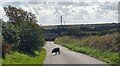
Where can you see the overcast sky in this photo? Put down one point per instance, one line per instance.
(73, 11)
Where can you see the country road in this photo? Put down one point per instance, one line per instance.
(67, 56)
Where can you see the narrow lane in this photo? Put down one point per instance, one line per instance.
(67, 56)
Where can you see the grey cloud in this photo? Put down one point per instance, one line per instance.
(80, 4)
(110, 6)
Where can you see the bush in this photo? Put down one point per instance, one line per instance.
(22, 31)
(31, 37)
(6, 48)
(10, 32)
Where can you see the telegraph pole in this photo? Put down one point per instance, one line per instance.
(61, 20)
(61, 25)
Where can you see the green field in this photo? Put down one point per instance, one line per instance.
(20, 58)
(84, 46)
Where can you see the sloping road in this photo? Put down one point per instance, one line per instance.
(67, 56)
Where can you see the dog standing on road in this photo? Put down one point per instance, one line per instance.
(56, 50)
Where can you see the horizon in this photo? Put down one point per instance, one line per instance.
(84, 24)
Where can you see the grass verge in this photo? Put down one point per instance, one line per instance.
(19, 58)
(109, 57)
(77, 45)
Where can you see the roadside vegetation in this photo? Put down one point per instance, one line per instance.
(22, 58)
(22, 38)
(103, 47)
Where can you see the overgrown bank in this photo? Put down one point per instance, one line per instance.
(104, 47)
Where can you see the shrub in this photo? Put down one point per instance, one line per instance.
(22, 31)
(6, 48)
(31, 37)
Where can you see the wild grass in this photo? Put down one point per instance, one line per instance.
(106, 56)
(101, 47)
(20, 58)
